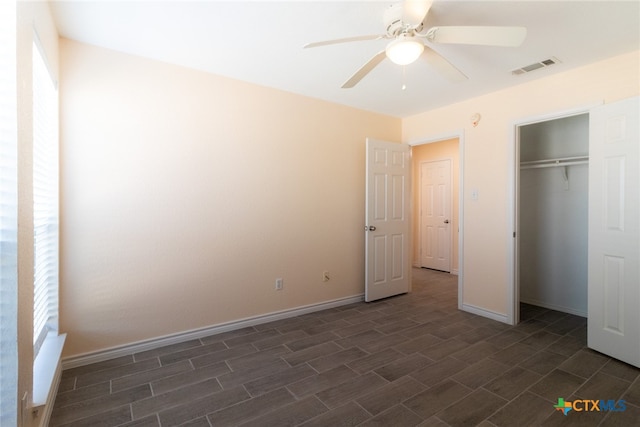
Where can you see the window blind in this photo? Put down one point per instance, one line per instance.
(45, 200)
(8, 216)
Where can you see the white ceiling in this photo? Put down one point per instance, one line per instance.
(261, 42)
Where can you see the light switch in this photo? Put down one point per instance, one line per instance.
(474, 194)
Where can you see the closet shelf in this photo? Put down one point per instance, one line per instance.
(552, 163)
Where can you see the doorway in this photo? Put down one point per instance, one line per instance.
(425, 248)
(532, 156)
(612, 234)
(551, 206)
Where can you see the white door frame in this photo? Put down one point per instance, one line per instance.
(513, 309)
(420, 223)
(459, 134)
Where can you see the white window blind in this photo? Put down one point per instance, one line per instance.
(8, 217)
(45, 200)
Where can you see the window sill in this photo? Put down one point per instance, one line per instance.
(45, 367)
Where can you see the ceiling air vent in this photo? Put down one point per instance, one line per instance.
(535, 66)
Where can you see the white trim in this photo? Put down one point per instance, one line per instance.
(438, 138)
(485, 313)
(513, 291)
(459, 134)
(513, 288)
(562, 114)
(136, 347)
(461, 219)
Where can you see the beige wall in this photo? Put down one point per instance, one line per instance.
(487, 234)
(441, 150)
(185, 195)
(32, 17)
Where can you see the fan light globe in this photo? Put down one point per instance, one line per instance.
(404, 50)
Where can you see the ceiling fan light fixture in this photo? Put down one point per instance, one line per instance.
(404, 50)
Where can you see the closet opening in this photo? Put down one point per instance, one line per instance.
(443, 147)
(552, 186)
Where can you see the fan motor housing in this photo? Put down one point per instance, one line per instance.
(393, 19)
(394, 24)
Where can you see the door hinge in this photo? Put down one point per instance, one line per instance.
(514, 234)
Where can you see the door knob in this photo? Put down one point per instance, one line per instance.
(372, 228)
(446, 221)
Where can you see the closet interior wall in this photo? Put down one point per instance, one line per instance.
(553, 206)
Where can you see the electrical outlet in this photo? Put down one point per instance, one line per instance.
(325, 276)
(279, 284)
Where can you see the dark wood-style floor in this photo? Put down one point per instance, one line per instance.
(405, 361)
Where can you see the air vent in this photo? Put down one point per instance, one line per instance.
(535, 66)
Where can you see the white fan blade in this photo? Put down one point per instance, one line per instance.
(414, 12)
(443, 66)
(487, 36)
(345, 40)
(364, 70)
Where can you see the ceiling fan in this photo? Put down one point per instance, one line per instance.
(405, 27)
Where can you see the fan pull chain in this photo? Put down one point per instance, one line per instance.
(404, 77)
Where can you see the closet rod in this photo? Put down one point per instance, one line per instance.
(551, 163)
(555, 165)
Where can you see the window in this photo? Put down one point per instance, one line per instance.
(45, 201)
(8, 216)
(47, 344)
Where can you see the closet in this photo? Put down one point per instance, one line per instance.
(552, 213)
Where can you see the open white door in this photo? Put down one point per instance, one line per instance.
(614, 231)
(387, 219)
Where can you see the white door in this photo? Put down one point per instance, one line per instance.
(435, 215)
(387, 219)
(614, 231)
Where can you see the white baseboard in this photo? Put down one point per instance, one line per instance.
(136, 347)
(485, 313)
(554, 307)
